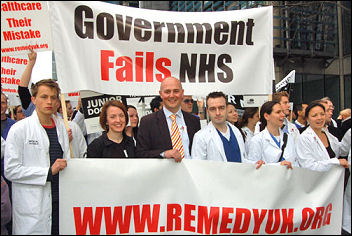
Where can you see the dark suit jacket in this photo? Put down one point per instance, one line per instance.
(154, 136)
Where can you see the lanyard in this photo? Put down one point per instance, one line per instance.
(277, 142)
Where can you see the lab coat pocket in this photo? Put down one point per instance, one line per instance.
(28, 198)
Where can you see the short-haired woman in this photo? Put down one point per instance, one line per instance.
(113, 143)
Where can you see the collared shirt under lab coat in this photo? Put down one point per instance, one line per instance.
(27, 163)
(312, 153)
(207, 144)
(263, 147)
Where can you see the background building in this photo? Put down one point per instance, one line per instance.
(311, 37)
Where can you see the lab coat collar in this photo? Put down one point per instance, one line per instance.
(217, 140)
(268, 137)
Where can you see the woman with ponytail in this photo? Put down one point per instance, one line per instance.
(271, 145)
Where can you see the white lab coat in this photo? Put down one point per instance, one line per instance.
(312, 153)
(346, 218)
(292, 129)
(27, 163)
(78, 143)
(207, 144)
(263, 147)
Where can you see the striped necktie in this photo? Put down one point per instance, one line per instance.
(176, 137)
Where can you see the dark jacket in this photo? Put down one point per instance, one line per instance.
(154, 136)
(105, 148)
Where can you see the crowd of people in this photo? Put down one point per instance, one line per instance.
(36, 148)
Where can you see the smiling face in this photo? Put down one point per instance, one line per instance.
(285, 104)
(115, 119)
(232, 114)
(276, 117)
(316, 117)
(171, 93)
(133, 116)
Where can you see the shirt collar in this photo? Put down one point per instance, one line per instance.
(169, 113)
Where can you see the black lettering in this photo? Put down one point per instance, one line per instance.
(157, 30)
(172, 32)
(240, 34)
(139, 25)
(123, 30)
(105, 26)
(221, 27)
(250, 25)
(187, 67)
(225, 68)
(83, 28)
(199, 29)
(204, 66)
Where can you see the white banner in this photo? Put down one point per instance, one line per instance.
(289, 79)
(24, 24)
(155, 196)
(114, 49)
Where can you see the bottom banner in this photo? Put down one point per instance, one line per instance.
(155, 196)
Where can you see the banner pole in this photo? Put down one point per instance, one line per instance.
(64, 115)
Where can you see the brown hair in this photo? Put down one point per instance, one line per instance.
(103, 114)
(277, 96)
(47, 82)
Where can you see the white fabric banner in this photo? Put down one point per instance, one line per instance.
(24, 24)
(114, 49)
(155, 196)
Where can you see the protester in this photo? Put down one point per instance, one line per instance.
(113, 143)
(187, 103)
(317, 149)
(346, 219)
(69, 109)
(220, 140)
(300, 121)
(272, 146)
(249, 120)
(36, 150)
(329, 126)
(156, 104)
(233, 118)
(330, 111)
(344, 121)
(18, 113)
(288, 127)
(168, 133)
(6, 122)
(132, 128)
(5, 207)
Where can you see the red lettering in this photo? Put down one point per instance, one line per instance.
(173, 214)
(225, 220)
(124, 222)
(149, 64)
(139, 67)
(240, 212)
(105, 64)
(271, 226)
(307, 217)
(124, 73)
(94, 225)
(327, 215)
(208, 221)
(287, 220)
(189, 217)
(151, 219)
(258, 219)
(318, 219)
(160, 66)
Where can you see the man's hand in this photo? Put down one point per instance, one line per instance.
(173, 153)
(58, 165)
(287, 164)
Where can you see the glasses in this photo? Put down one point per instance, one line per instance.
(188, 101)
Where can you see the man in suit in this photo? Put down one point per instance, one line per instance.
(157, 129)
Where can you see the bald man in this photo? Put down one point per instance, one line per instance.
(155, 129)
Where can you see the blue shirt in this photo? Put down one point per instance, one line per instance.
(231, 147)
